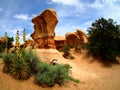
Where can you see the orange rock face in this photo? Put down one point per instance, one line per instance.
(44, 25)
(83, 37)
(72, 39)
(76, 38)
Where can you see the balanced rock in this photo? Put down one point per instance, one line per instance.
(44, 25)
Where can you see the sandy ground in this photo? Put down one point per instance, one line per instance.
(92, 74)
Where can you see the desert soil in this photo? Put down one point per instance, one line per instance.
(92, 74)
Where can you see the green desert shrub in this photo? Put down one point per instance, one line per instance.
(104, 40)
(31, 59)
(66, 51)
(48, 75)
(7, 60)
(43, 79)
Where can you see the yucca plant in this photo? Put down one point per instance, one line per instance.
(17, 43)
(26, 65)
(7, 60)
(20, 70)
(24, 37)
(32, 60)
(6, 41)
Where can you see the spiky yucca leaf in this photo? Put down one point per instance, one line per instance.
(7, 60)
(20, 70)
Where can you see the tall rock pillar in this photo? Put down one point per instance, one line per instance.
(44, 25)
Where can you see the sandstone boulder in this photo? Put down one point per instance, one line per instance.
(83, 37)
(76, 38)
(72, 39)
(44, 25)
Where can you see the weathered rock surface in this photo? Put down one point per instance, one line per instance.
(44, 25)
(83, 37)
(76, 38)
(60, 42)
(72, 39)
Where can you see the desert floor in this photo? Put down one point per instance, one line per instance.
(92, 74)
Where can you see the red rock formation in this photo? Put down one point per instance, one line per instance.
(60, 42)
(44, 25)
(82, 35)
(72, 39)
(76, 38)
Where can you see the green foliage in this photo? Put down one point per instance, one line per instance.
(31, 59)
(28, 64)
(48, 75)
(104, 39)
(20, 70)
(7, 60)
(66, 51)
(20, 67)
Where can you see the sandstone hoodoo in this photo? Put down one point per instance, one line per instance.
(76, 38)
(44, 25)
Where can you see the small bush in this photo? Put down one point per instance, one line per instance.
(66, 51)
(72, 57)
(48, 75)
(43, 79)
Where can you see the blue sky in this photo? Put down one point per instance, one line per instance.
(72, 14)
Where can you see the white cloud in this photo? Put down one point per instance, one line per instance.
(1, 9)
(111, 10)
(68, 7)
(22, 16)
(66, 2)
(97, 4)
